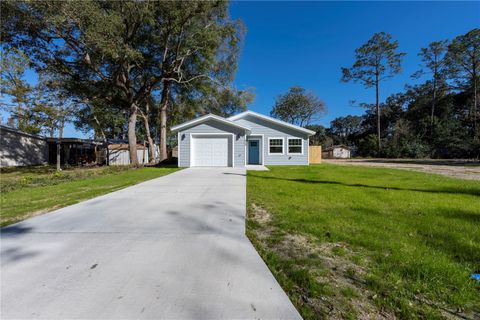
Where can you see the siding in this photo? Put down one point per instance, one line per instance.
(122, 157)
(268, 129)
(211, 126)
(21, 149)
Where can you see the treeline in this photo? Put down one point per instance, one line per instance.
(437, 119)
(126, 69)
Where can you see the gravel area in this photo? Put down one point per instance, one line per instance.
(463, 169)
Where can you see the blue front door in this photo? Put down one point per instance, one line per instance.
(253, 152)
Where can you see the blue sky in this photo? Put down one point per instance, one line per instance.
(306, 44)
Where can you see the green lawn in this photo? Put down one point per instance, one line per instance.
(349, 241)
(30, 191)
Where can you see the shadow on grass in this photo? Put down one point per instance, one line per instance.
(235, 174)
(40, 169)
(467, 216)
(458, 250)
(475, 192)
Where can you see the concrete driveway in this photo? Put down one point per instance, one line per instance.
(169, 248)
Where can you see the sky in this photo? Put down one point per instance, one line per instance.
(306, 43)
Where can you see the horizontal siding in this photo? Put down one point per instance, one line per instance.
(212, 126)
(122, 157)
(268, 129)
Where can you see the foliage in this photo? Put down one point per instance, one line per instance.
(14, 64)
(298, 106)
(463, 64)
(412, 237)
(375, 61)
(435, 118)
(116, 55)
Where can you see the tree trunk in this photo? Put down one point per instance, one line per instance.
(99, 130)
(434, 100)
(132, 135)
(59, 146)
(151, 146)
(377, 103)
(475, 133)
(163, 120)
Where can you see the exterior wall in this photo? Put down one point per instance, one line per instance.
(341, 153)
(21, 149)
(272, 130)
(121, 157)
(211, 126)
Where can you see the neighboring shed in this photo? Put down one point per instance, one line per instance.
(175, 152)
(18, 148)
(337, 152)
(118, 154)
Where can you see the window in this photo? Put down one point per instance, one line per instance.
(275, 145)
(295, 146)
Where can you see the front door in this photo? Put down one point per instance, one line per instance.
(253, 152)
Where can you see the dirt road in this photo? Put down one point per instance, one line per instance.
(462, 169)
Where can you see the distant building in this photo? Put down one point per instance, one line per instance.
(119, 154)
(18, 148)
(75, 151)
(337, 152)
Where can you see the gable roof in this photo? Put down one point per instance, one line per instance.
(206, 118)
(272, 120)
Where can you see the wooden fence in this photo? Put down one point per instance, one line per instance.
(315, 154)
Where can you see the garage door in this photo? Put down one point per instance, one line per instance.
(210, 151)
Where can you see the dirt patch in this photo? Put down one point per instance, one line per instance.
(461, 169)
(340, 283)
(260, 215)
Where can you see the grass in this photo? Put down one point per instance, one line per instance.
(34, 190)
(351, 241)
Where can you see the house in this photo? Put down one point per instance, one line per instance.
(247, 138)
(18, 148)
(336, 152)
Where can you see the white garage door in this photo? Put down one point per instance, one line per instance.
(210, 151)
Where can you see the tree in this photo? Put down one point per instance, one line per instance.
(120, 52)
(345, 127)
(463, 62)
(298, 106)
(320, 137)
(375, 61)
(433, 58)
(54, 107)
(13, 65)
(200, 49)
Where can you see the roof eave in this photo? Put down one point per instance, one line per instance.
(206, 118)
(266, 118)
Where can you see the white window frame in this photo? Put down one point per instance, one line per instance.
(283, 146)
(301, 145)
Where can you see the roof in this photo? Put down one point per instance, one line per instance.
(7, 128)
(337, 146)
(272, 120)
(206, 118)
(73, 140)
